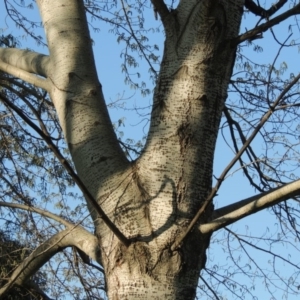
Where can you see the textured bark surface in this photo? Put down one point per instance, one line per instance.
(153, 199)
(168, 183)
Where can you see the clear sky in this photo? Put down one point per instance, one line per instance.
(236, 187)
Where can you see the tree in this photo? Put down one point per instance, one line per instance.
(153, 216)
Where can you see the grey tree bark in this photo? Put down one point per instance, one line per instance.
(152, 200)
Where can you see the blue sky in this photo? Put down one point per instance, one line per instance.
(236, 187)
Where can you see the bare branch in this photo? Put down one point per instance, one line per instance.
(259, 11)
(39, 211)
(264, 27)
(208, 286)
(136, 39)
(245, 146)
(76, 236)
(249, 206)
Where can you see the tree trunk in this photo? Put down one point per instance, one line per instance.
(153, 199)
(173, 176)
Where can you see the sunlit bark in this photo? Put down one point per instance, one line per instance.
(152, 200)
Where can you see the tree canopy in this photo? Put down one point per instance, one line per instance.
(45, 196)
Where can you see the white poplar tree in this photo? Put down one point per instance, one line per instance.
(153, 217)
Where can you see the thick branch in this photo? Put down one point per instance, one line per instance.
(259, 11)
(82, 112)
(249, 206)
(70, 170)
(160, 8)
(26, 60)
(264, 27)
(76, 236)
(23, 75)
(39, 211)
